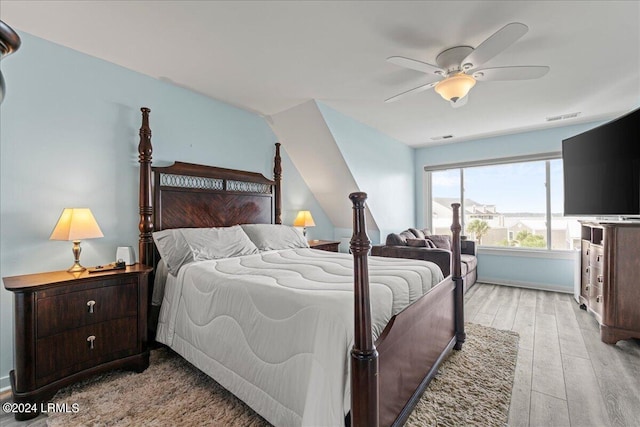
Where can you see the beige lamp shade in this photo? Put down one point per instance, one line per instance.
(304, 219)
(76, 224)
(455, 87)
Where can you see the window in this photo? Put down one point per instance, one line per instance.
(512, 203)
(445, 188)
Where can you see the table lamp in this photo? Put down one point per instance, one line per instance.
(76, 224)
(304, 220)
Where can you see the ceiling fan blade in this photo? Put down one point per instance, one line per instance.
(499, 41)
(510, 73)
(411, 91)
(460, 102)
(414, 64)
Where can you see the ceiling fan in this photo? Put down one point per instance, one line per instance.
(458, 71)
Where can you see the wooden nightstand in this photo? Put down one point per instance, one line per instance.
(324, 245)
(71, 326)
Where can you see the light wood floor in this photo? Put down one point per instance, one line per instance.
(565, 376)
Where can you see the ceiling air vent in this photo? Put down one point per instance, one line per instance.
(563, 117)
(438, 138)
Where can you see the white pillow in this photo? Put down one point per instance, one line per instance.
(159, 282)
(180, 246)
(269, 237)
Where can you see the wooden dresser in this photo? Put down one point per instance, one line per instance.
(610, 282)
(71, 326)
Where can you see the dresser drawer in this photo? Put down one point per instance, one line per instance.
(596, 299)
(586, 250)
(596, 277)
(75, 309)
(68, 352)
(596, 256)
(585, 287)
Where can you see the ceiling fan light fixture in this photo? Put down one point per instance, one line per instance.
(455, 87)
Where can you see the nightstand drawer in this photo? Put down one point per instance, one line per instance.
(71, 310)
(324, 245)
(65, 353)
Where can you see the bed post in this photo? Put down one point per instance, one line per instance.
(277, 177)
(456, 273)
(364, 356)
(145, 242)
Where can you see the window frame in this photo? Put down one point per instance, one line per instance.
(546, 157)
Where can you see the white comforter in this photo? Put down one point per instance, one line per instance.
(276, 328)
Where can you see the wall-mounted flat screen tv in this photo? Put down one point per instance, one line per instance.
(602, 169)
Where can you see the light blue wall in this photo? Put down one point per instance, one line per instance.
(296, 196)
(381, 166)
(501, 268)
(69, 135)
(550, 271)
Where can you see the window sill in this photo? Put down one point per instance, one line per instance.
(527, 252)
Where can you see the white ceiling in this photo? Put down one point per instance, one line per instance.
(269, 56)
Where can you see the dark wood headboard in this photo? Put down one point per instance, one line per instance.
(189, 195)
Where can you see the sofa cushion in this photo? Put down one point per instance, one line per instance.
(399, 239)
(393, 239)
(441, 241)
(406, 234)
(418, 233)
(420, 243)
(417, 243)
(464, 269)
(470, 261)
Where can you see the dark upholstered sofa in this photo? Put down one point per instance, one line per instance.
(420, 244)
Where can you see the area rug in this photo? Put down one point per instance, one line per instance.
(473, 387)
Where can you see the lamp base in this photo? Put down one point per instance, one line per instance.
(76, 268)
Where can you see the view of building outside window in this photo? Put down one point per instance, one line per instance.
(566, 230)
(505, 205)
(445, 187)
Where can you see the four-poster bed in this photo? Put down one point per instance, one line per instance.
(388, 375)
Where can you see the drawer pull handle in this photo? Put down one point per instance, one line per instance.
(586, 288)
(598, 258)
(90, 304)
(91, 339)
(599, 298)
(587, 251)
(587, 270)
(600, 278)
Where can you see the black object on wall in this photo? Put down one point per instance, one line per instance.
(602, 169)
(9, 43)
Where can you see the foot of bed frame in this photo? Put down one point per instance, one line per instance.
(413, 401)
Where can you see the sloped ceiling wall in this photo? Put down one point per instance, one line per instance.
(310, 145)
(382, 167)
(337, 155)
